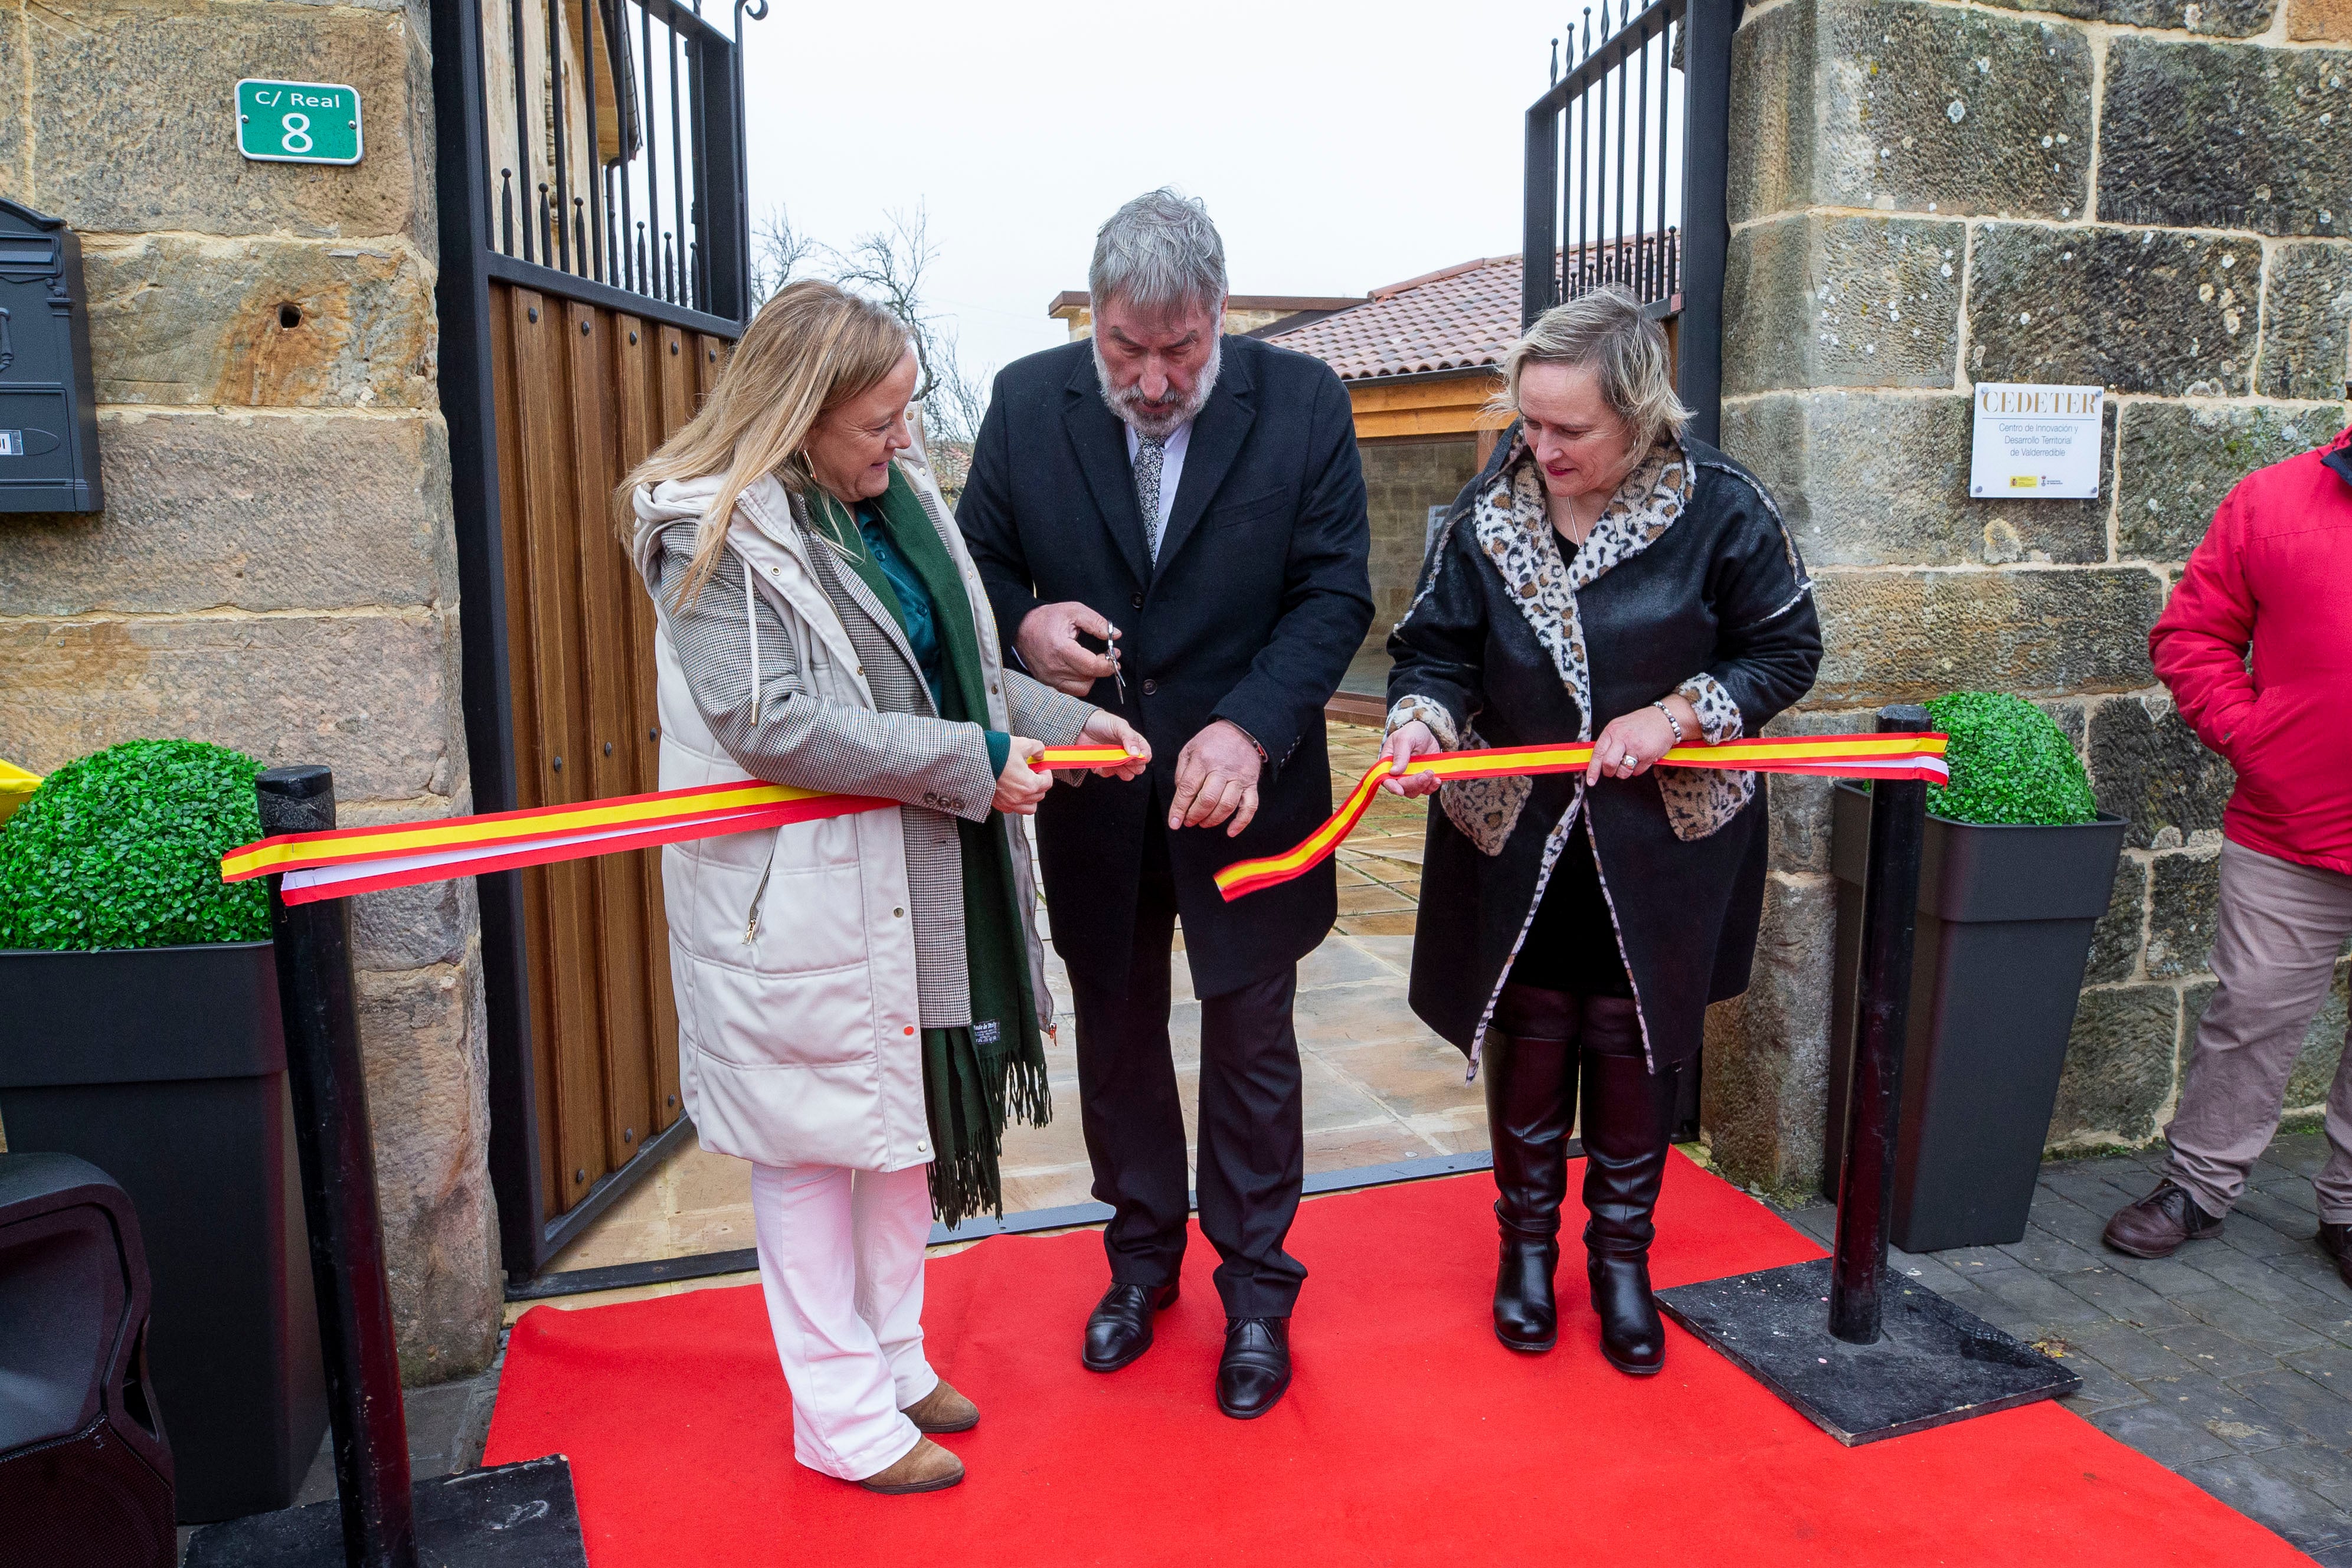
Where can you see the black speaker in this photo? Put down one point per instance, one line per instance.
(85, 1473)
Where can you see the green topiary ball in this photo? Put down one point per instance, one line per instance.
(122, 849)
(2009, 762)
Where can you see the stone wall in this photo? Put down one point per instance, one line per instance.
(276, 569)
(1403, 479)
(2145, 194)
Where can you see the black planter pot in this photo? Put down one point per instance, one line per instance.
(165, 1067)
(2005, 921)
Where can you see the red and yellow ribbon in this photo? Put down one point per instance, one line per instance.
(1896, 756)
(347, 860)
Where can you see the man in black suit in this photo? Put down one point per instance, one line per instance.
(1203, 493)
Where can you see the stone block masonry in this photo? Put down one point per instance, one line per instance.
(276, 569)
(2151, 195)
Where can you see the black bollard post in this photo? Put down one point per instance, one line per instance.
(330, 1121)
(1890, 914)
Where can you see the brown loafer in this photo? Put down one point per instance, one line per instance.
(2336, 1240)
(943, 1410)
(926, 1466)
(2157, 1224)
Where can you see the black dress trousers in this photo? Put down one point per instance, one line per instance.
(1252, 1151)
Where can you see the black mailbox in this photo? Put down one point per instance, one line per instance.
(48, 403)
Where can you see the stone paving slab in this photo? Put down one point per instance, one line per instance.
(2229, 1363)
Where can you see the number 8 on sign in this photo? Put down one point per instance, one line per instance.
(298, 122)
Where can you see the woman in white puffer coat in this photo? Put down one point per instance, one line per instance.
(861, 999)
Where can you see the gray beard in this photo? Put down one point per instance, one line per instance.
(1159, 423)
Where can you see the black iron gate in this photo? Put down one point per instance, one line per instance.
(1626, 156)
(595, 241)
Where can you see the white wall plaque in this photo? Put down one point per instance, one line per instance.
(2035, 443)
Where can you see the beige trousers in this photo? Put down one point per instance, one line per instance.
(2282, 926)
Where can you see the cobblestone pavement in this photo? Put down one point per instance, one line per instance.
(2230, 1361)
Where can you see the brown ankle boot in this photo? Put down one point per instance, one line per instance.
(943, 1410)
(926, 1466)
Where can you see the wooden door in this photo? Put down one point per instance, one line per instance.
(583, 392)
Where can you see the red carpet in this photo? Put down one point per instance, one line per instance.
(1410, 1436)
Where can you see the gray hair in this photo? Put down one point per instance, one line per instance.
(1158, 252)
(1607, 331)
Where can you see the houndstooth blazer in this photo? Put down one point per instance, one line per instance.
(747, 680)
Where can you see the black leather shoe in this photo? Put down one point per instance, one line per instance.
(1119, 1328)
(1255, 1371)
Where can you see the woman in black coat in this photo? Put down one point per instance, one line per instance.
(1604, 579)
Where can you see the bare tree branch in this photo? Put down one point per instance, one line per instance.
(891, 265)
(956, 401)
(888, 265)
(779, 252)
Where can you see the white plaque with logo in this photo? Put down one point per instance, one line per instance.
(2035, 443)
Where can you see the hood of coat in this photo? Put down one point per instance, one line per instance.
(2338, 456)
(680, 500)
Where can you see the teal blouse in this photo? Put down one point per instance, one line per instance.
(918, 619)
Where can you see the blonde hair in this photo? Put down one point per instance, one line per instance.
(1607, 331)
(811, 348)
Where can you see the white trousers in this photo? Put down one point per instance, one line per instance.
(841, 1259)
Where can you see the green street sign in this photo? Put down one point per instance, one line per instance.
(298, 122)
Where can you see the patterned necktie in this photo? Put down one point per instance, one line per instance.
(1149, 452)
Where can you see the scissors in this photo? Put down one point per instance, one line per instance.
(1110, 647)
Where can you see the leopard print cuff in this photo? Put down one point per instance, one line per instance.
(1718, 715)
(1430, 712)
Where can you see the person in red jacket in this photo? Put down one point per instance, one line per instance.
(2273, 574)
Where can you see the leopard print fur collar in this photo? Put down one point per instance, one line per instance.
(1514, 530)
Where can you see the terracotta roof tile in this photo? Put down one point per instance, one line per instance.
(1455, 320)
(1460, 317)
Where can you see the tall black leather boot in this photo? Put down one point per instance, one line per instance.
(1530, 1065)
(1628, 1115)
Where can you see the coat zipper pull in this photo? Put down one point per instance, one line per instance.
(759, 893)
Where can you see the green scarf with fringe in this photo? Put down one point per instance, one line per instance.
(975, 1079)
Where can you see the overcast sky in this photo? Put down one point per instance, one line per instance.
(1339, 146)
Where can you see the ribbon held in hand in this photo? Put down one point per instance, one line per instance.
(346, 860)
(1893, 755)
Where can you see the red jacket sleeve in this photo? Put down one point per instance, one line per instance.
(2199, 643)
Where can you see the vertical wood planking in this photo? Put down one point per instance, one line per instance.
(582, 395)
(628, 1035)
(677, 400)
(508, 319)
(710, 357)
(636, 349)
(568, 1054)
